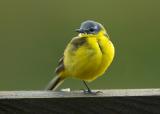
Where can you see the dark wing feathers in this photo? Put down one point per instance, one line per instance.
(60, 66)
(76, 43)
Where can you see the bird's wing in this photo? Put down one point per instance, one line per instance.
(60, 66)
(76, 42)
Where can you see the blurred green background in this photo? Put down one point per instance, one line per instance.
(33, 35)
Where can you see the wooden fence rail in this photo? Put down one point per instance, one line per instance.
(115, 101)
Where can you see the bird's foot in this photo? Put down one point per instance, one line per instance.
(89, 92)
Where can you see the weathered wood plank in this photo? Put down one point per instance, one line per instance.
(127, 101)
(76, 94)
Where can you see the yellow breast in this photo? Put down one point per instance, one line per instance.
(90, 60)
(108, 52)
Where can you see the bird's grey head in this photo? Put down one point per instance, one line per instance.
(89, 27)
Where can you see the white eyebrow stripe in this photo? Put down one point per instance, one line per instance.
(96, 27)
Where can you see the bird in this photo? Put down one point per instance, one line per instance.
(86, 57)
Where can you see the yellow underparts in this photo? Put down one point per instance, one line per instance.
(90, 60)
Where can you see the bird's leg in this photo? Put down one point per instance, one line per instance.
(89, 91)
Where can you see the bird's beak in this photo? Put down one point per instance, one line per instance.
(80, 30)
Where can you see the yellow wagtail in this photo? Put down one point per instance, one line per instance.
(86, 57)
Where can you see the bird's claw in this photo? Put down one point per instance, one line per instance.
(92, 92)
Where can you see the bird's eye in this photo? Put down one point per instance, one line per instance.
(91, 29)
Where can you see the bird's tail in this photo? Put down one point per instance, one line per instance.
(55, 83)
